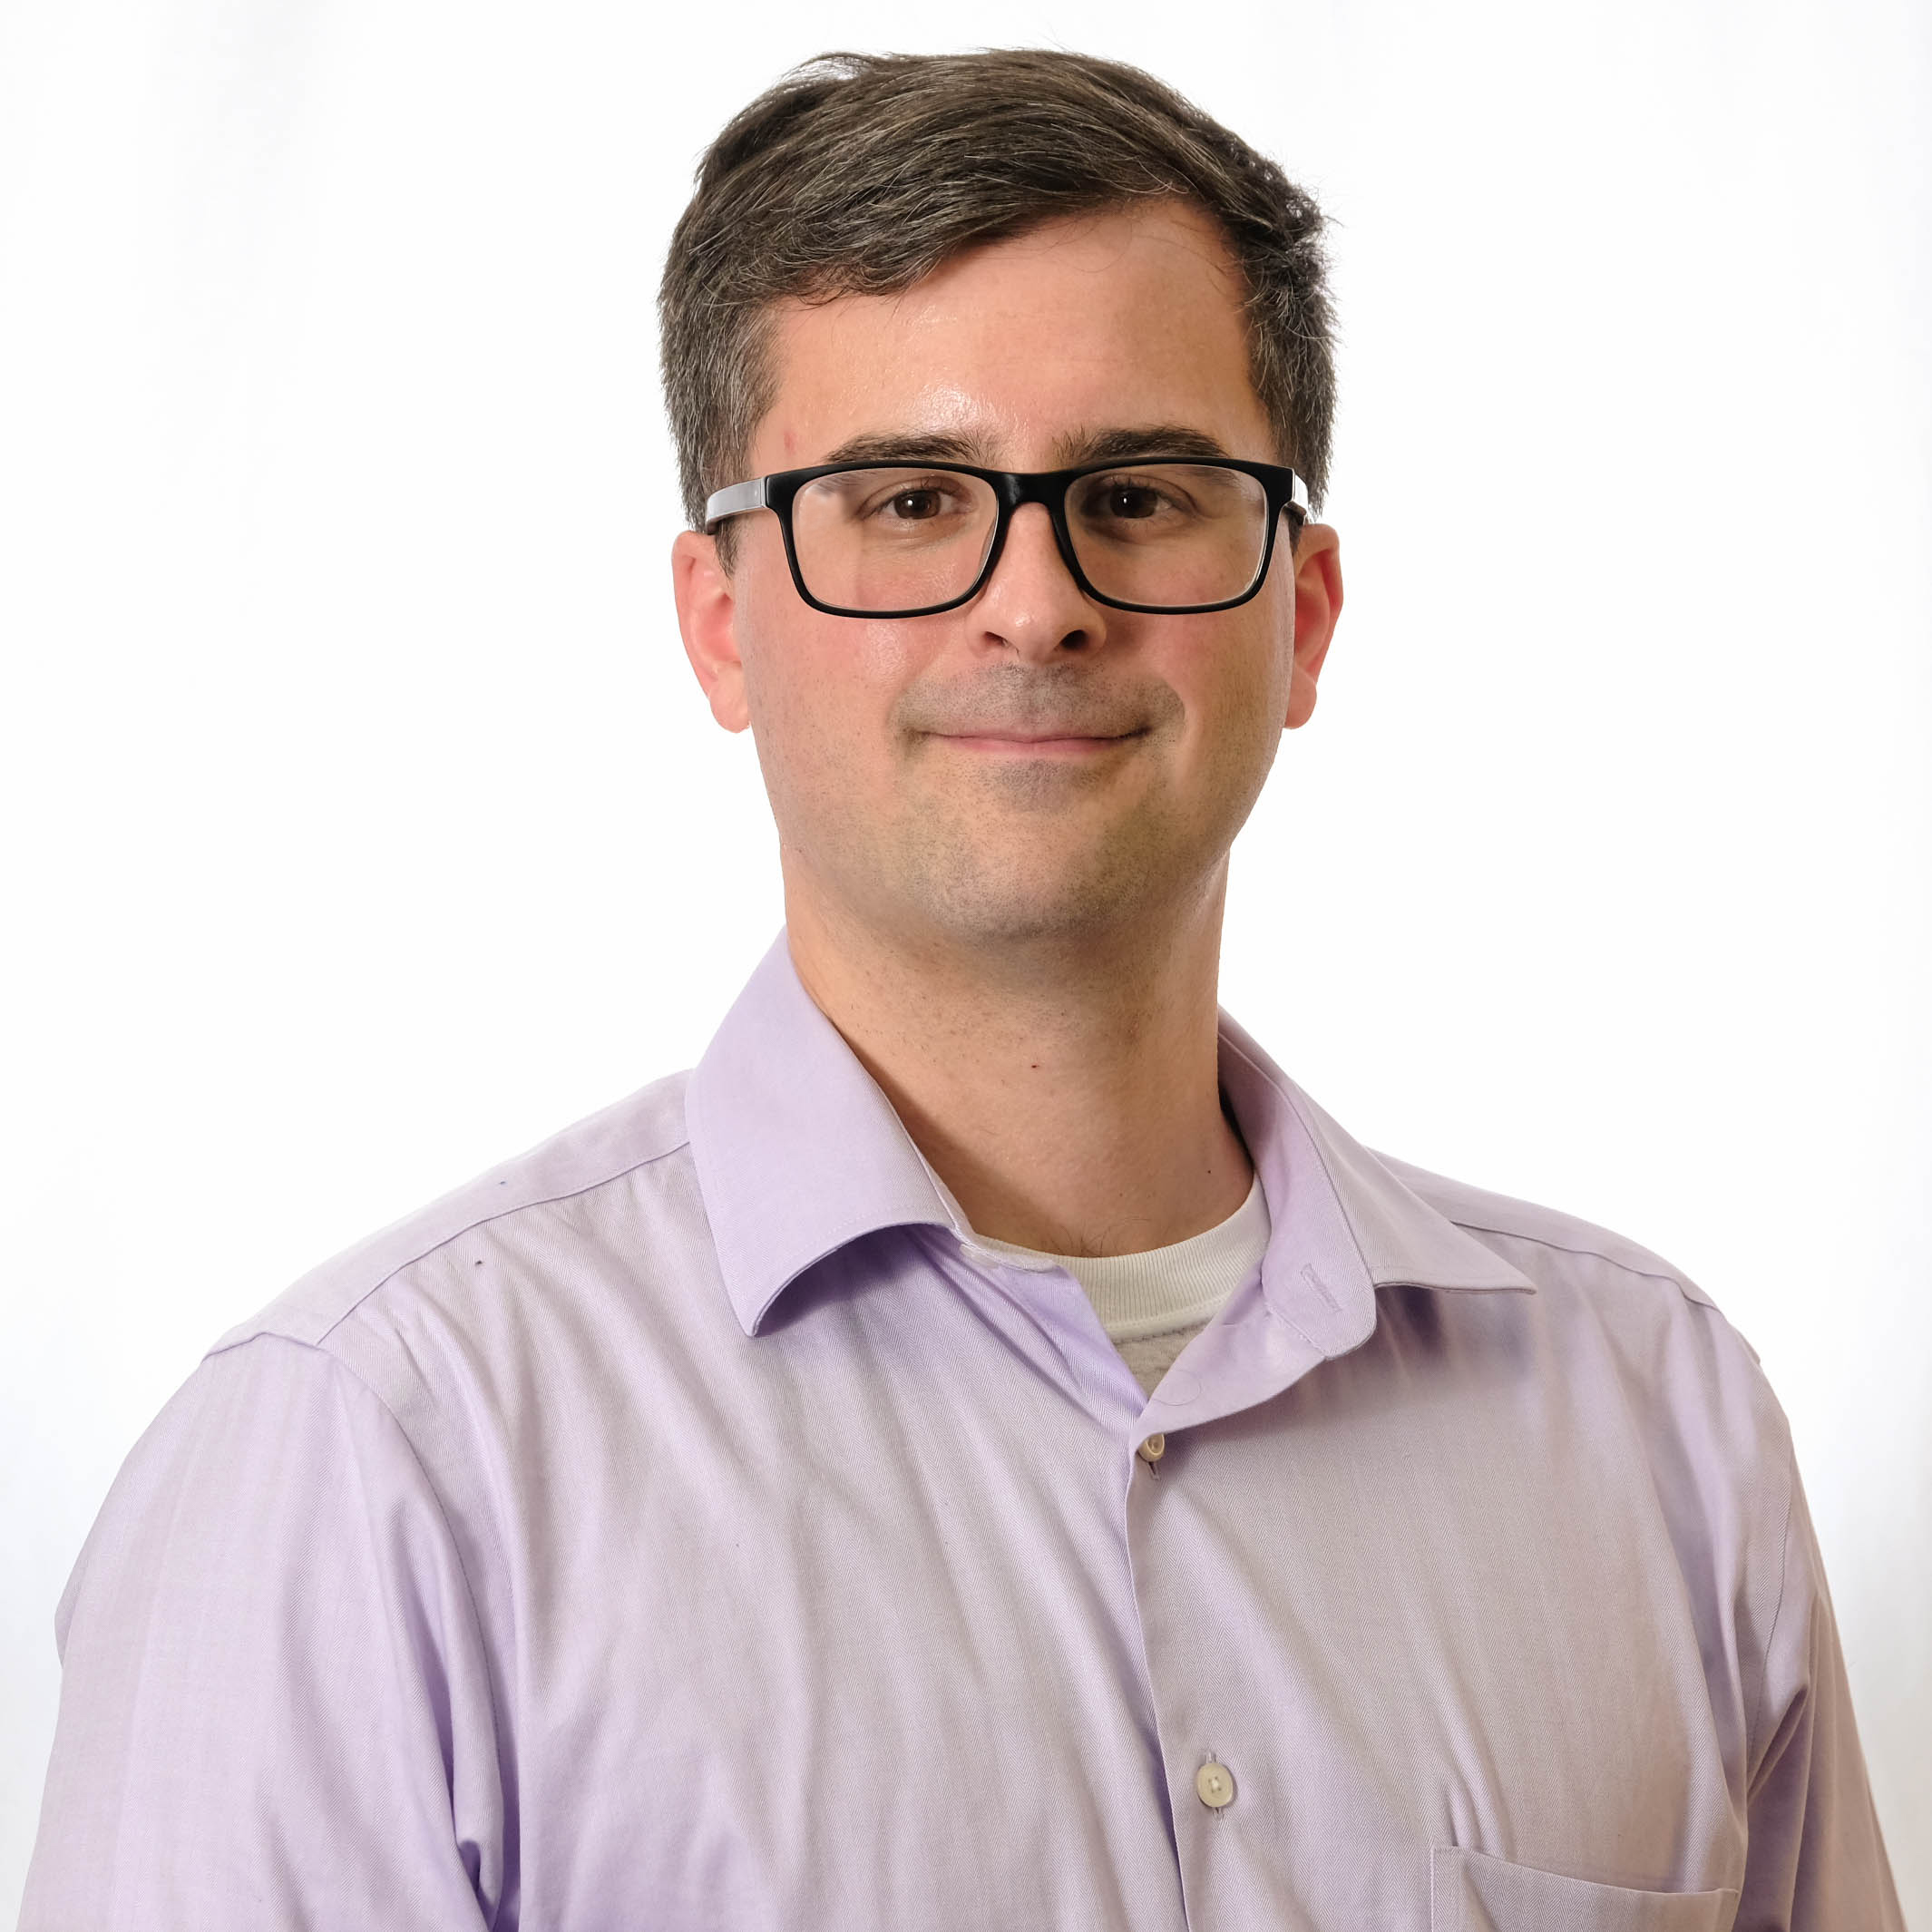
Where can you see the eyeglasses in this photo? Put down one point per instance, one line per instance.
(1168, 534)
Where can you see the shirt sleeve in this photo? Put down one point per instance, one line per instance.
(276, 1708)
(1814, 1860)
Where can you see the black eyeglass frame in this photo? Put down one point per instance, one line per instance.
(1012, 488)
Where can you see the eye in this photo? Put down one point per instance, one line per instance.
(912, 506)
(1126, 501)
(902, 502)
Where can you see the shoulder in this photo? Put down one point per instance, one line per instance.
(568, 1175)
(1633, 1337)
(1606, 1305)
(1649, 1361)
(1547, 1244)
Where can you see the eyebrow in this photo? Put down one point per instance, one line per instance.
(931, 447)
(1103, 445)
(1153, 439)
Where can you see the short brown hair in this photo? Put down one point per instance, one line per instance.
(860, 173)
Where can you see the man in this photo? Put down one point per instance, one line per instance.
(984, 1449)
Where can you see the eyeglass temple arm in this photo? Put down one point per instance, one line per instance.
(730, 502)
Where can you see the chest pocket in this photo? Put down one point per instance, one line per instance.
(1470, 1892)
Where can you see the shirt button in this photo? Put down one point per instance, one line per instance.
(1215, 1783)
(1152, 1450)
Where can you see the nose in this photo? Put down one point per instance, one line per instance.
(1031, 605)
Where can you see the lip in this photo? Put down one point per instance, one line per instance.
(1014, 744)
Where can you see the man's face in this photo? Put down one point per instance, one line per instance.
(1032, 765)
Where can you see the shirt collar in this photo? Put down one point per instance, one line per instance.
(799, 1152)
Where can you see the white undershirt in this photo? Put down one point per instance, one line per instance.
(1153, 1304)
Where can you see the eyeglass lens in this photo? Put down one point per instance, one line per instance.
(1164, 535)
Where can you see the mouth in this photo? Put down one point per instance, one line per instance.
(1044, 745)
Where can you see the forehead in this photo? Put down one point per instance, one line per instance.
(1125, 315)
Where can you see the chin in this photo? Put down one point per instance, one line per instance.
(1097, 909)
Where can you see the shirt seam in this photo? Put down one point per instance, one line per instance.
(1561, 1247)
(1754, 1717)
(442, 1517)
(470, 1227)
(1756, 1724)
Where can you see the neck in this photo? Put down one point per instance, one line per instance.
(1068, 1094)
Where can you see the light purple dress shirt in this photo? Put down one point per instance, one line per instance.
(678, 1527)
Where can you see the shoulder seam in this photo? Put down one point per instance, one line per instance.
(1562, 1247)
(469, 1227)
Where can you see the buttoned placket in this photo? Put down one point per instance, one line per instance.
(1214, 1780)
(1238, 1368)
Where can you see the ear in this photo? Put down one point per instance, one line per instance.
(706, 619)
(1317, 606)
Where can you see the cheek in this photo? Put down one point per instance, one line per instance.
(1237, 702)
(820, 692)
(1237, 674)
(777, 641)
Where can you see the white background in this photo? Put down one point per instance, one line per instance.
(364, 824)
